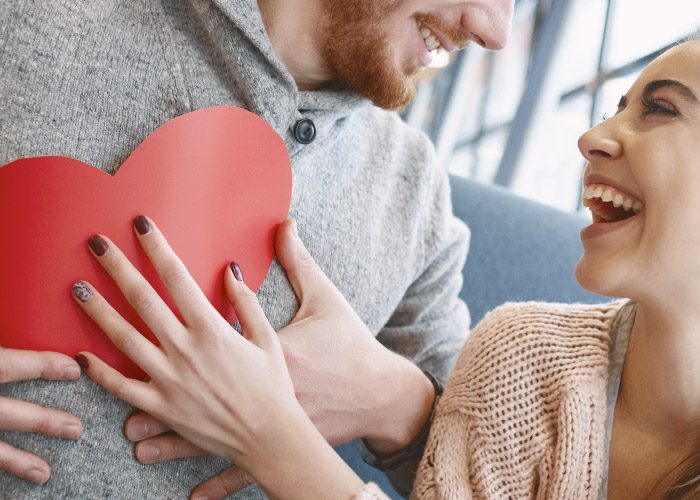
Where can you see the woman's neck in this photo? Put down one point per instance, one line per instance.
(660, 386)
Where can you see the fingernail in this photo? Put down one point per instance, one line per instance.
(37, 475)
(295, 230)
(148, 452)
(137, 431)
(98, 245)
(83, 361)
(142, 225)
(236, 271)
(201, 496)
(70, 431)
(71, 371)
(82, 291)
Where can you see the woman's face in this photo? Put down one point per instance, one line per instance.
(646, 158)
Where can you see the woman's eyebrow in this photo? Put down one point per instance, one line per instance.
(682, 89)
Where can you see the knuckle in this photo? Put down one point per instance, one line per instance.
(120, 390)
(141, 298)
(6, 370)
(124, 340)
(235, 482)
(306, 261)
(173, 274)
(178, 448)
(211, 324)
(249, 297)
(112, 264)
(11, 462)
(44, 425)
(50, 367)
(152, 244)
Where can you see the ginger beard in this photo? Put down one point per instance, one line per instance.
(359, 54)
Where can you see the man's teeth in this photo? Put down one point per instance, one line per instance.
(430, 41)
(609, 194)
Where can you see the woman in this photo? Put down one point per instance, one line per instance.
(539, 404)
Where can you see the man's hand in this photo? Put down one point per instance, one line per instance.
(19, 416)
(347, 382)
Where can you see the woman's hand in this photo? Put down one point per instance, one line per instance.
(231, 396)
(347, 382)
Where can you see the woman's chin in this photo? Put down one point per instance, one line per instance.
(596, 279)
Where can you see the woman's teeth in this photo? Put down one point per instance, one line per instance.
(609, 194)
(430, 41)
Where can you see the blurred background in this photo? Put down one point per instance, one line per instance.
(513, 117)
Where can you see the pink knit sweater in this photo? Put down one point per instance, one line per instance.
(524, 412)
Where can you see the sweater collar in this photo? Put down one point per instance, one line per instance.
(245, 15)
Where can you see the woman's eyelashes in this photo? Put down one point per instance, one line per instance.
(651, 105)
(658, 106)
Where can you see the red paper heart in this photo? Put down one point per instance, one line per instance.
(216, 181)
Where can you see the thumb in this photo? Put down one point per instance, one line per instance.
(226, 483)
(308, 280)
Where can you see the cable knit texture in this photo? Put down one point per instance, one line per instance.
(523, 415)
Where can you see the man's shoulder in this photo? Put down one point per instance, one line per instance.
(389, 128)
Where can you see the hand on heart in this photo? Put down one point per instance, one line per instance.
(217, 180)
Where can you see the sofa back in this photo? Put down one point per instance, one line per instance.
(520, 250)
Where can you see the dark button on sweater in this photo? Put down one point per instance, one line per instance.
(305, 131)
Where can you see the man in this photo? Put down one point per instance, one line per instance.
(92, 79)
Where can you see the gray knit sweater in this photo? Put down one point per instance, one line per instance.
(92, 79)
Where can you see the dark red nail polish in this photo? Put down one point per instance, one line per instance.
(236, 271)
(82, 291)
(98, 245)
(83, 362)
(142, 225)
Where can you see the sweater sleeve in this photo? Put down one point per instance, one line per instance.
(523, 411)
(431, 322)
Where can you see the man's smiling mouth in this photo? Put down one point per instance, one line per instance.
(431, 42)
(608, 204)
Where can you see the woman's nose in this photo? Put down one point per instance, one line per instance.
(596, 144)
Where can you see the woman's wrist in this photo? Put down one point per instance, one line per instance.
(406, 408)
(311, 468)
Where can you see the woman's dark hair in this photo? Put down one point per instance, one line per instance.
(686, 479)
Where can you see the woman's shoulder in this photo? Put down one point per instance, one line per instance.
(557, 326)
(566, 318)
(536, 344)
(529, 382)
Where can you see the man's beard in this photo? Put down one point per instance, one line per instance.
(359, 53)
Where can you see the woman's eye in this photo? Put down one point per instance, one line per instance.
(661, 107)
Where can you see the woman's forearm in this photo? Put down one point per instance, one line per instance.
(310, 468)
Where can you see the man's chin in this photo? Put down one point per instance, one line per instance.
(397, 100)
(385, 91)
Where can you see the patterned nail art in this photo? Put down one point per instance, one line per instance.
(81, 291)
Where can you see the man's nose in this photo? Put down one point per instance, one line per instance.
(490, 26)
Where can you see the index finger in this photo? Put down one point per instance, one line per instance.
(188, 297)
(17, 365)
